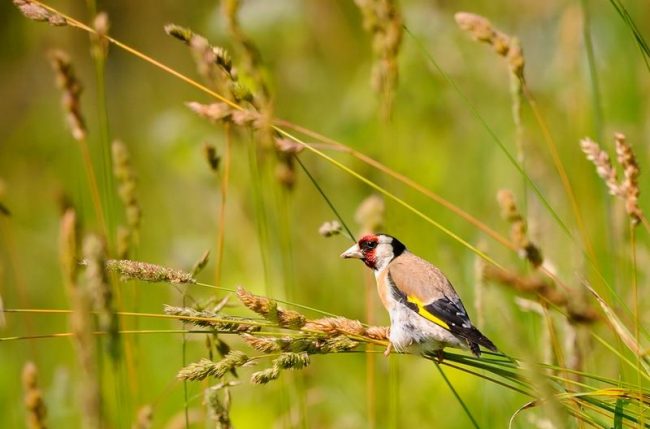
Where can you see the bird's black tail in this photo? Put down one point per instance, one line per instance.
(475, 339)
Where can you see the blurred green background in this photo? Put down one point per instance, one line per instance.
(318, 59)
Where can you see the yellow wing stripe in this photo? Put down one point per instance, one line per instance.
(426, 314)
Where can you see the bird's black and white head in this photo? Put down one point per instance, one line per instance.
(375, 250)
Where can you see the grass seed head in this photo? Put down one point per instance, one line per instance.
(206, 368)
(292, 360)
(330, 228)
(266, 375)
(604, 167)
(71, 87)
(135, 270)
(630, 185)
(36, 12)
(34, 403)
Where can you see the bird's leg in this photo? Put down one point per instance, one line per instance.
(440, 356)
(389, 348)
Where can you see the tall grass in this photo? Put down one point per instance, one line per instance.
(278, 356)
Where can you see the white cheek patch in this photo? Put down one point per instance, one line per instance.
(383, 255)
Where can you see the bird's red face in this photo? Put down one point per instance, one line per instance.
(366, 250)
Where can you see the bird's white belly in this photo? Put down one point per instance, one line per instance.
(413, 333)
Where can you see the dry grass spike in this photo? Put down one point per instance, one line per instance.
(482, 30)
(518, 228)
(100, 290)
(34, 403)
(269, 309)
(630, 185)
(36, 12)
(135, 270)
(71, 87)
(604, 167)
(206, 368)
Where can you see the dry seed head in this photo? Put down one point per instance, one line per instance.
(218, 410)
(482, 30)
(71, 87)
(100, 42)
(290, 319)
(289, 146)
(259, 304)
(477, 26)
(36, 409)
(205, 368)
(383, 19)
(338, 344)
(377, 332)
(330, 228)
(630, 185)
(94, 251)
(285, 170)
(604, 167)
(221, 323)
(335, 326)
(518, 228)
(134, 270)
(127, 184)
(269, 309)
(266, 375)
(292, 360)
(36, 12)
(210, 153)
(144, 419)
(370, 214)
(181, 33)
(262, 344)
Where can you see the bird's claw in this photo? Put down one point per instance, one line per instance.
(389, 348)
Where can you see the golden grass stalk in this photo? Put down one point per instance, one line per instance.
(383, 20)
(68, 248)
(34, 403)
(101, 291)
(518, 229)
(3, 320)
(127, 184)
(36, 12)
(135, 270)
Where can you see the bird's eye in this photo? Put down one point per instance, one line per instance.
(370, 245)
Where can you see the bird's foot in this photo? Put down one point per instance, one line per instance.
(389, 348)
(439, 355)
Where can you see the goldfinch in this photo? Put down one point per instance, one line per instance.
(426, 313)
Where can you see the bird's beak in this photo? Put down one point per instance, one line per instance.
(352, 252)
